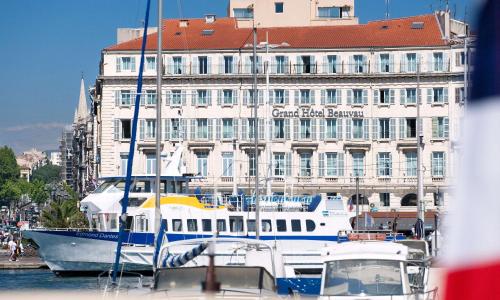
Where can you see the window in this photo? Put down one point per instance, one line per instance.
(331, 129)
(411, 62)
(411, 164)
(202, 65)
(385, 199)
(329, 12)
(438, 164)
(279, 96)
(151, 63)
(192, 225)
(384, 162)
(250, 225)
(221, 225)
(357, 97)
(266, 226)
(281, 225)
(279, 164)
(150, 97)
(305, 129)
(125, 97)
(296, 225)
(150, 164)
(359, 64)
(236, 224)
(310, 225)
(357, 129)
(202, 163)
(440, 127)
(278, 7)
(305, 96)
(280, 64)
(227, 98)
(228, 64)
(384, 129)
(411, 96)
(438, 95)
(251, 164)
(177, 67)
(279, 129)
(438, 198)
(206, 225)
(202, 129)
(150, 130)
(123, 164)
(305, 164)
(358, 162)
(177, 225)
(333, 164)
(227, 164)
(385, 65)
(125, 63)
(438, 62)
(305, 64)
(227, 129)
(386, 96)
(460, 59)
(331, 96)
(460, 95)
(175, 129)
(126, 129)
(332, 64)
(176, 98)
(243, 13)
(408, 128)
(202, 99)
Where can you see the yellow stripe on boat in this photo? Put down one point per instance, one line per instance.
(179, 200)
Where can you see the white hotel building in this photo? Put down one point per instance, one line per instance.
(341, 102)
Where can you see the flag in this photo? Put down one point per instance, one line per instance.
(472, 253)
(351, 206)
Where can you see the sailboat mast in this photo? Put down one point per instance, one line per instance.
(268, 123)
(159, 73)
(256, 134)
(420, 179)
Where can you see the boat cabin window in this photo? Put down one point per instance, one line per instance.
(206, 225)
(177, 225)
(136, 202)
(296, 226)
(251, 225)
(266, 226)
(171, 186)
(141, 223)
(367, 277)
(129, 223)
(236, 224)
(310, 225)
(141, 186)
(281, 225)
(221, 225)
(104, 186)
(192, 225)
(108, 222)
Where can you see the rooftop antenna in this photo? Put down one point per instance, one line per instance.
(387, 3)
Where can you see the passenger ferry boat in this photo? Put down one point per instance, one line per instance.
(287, 220)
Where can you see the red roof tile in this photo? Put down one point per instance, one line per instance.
(226, 35)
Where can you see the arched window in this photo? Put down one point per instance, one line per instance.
(362, 200)
(310, 225)
(409, 200)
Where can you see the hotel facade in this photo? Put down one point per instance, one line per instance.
(340, 102)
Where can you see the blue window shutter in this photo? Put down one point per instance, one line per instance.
(365, 96)
(246, 94)
(445, 94)
(132, 64)
(142, 128)
(235, 97)
(348, 129)
(339, 96)
(184, 129)
(313, 129)
(218, 129)
(323, 97)
(220, 94)
(261, 97)
(366, 129)
(116, 132)
(210, 128)
(402, 126)
(340, 163)
(287, 97)
(235, 129)
(244, 125)
(298, 67)
(375, 124)
(446, 125)
(402, 96)
(270, 97)
(392, 96)
(192, 129)
(339, 129)
(297, 97)
(168, 95)
(117, 98)
(209, 65)
(391, 63)
(118, 64)
(430, 96)
(313, 96)
(321, 164)
(295, 129)
(376, 94)
(209, 97)
(166, 129)
(194, 96)
(142, 98)
(288, 163)
(287, 129)
(392, 129)
(322, 126)
(184, 98)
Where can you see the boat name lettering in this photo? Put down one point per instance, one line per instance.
(316, 113)
(97, 235)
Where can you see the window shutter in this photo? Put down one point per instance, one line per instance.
(235, 129)
(221, 66)
(430, 62)
(365, 96)
(209, 65)
(219, 97)
(166, 129)
(170, 65)
(116, 132)
(366, 129)
(446, 122)
(348, 129)
(339, 129)
(295, 129)
(445, 94)
(379, 166)
(391, 63)
(287, 97)
(376, 94)
(142, 128)
(142, 98)
(375, 125)
(435, 133)
(444, 163)
(402, 96)
(378, 63)
(402, 124)
(430, 94)
(392, 129)
(288, 163)
(339, 96)
(194, 65)
(192, 129)
(321, 164)
(446, 62)
(210, 128)
(194, 96)
(297, 97)
(313, 129)
(244, 125)
(392, 98)
(326, 66)
(168, 95)
(235, 64)
(340, 163)
(235, 97)
(184, 129)
(287, 65)
(218, 129)
(262, 126)
(183, 98)
(118, 64)
(117, 98)
(338, 64)
(322, 126)
(349, 97)
(246, 94)
(209, 97)
(132, 64)
(351, 64)
(260, 94)
(298, 67)
(270, 98)
(287, 129)
(323, 97)
(313, 96)
(314, 68)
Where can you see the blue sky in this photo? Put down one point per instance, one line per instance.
(46, 45)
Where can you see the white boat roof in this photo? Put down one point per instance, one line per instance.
(365, 250)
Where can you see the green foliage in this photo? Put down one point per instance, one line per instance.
(9, 170)
(47, 174)
(11, 190)
(64, 214)
(38, 192)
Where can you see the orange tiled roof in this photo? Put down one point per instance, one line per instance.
(226, 35)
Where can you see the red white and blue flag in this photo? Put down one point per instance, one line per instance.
(472, 253)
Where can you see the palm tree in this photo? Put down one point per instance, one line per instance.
(64, 214)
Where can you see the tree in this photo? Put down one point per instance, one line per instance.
(38, 192)
(9, 170)
(63, 214)
(11, 192)
(47, 174)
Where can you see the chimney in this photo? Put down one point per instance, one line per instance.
(209, 18)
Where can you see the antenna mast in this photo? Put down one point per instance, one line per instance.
(387, 3)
